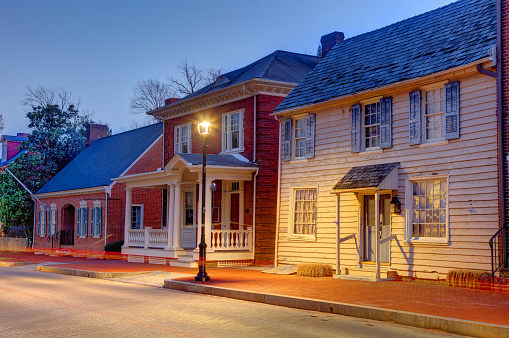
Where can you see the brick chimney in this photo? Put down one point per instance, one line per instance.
(167, 102)
(330, 40)
(95, 132)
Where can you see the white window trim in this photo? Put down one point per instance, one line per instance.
(226, 137)
(42, 222)
(363, 126)
(424, 141)
(195, 209)
(53, 220)
(409, 211)
(84, 206)
(142, 213)
(294, 158)
(300, 237)
(176, 144)
(97, 204)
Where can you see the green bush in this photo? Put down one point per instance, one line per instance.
(114, 247)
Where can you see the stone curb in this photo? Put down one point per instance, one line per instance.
(84, 273)
(16, 263)
(457, 326)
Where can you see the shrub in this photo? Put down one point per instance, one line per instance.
(314, 270)
(114, 247)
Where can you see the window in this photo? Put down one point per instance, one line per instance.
(53, 219)
(137, 217)
(233, 131)
(82, 222)
(434, 113)
(429, 216)
(299, 137)
(183, 139)
(96, 221)
(4, 151)
(303, 219)
(41, 225)
(189, 207)
(371, 125)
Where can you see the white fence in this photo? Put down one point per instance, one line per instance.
(233, 240)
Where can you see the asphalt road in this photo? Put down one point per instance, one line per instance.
(40, 304)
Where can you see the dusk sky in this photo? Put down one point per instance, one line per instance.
(98, 49)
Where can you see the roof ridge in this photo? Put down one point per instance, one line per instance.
(271, 62)
(129, 131)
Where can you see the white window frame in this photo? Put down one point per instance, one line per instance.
(409, 210)
(424, 90)
(178, 143)
(226, 132)
(291, 217)
(141, 215)
(42, 222)
(84, 207)
(54, 222)
(301, 138)
(364, 103)
(95, 211)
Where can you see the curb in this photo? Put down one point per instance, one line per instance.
(457, 326)
(84, 273)
(16, 263)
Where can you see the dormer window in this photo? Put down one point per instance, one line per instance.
(221, 81)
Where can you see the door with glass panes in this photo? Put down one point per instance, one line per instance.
(370, 225)
(188, 227)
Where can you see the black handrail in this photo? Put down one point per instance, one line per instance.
(498, 245)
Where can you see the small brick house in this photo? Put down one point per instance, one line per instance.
(83, 209)
(242, 169)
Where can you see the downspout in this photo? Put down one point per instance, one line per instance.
(279, 119)
(254, 210)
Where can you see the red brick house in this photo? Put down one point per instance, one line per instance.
(83, 209)
(240, 214)
(10, 145)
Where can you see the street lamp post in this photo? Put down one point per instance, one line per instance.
(204, 130)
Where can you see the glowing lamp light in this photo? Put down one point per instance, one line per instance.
(204, 125)
(395, 206)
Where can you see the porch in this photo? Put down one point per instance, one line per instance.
(228, 232)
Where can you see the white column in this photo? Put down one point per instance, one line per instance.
(177, 211)
(208, 213)
(377, 227)
(128, 206)
(170, 207)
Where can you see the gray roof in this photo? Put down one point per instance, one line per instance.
(451, 36)
(278, 66)
(105, 159)
(369, 176)
(219, 160)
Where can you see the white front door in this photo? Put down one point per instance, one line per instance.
(188, 227)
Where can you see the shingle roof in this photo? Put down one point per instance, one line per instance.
(219, 160)
(366, 177)
(454, 35)
(278, 66)
(106, 158)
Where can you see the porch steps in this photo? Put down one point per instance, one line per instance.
(366, 273)
(185, 261)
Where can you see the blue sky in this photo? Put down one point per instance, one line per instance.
(98, 49)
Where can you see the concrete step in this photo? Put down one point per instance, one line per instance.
(185, 259)
(184, 264)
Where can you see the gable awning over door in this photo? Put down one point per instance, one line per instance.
(378, 176)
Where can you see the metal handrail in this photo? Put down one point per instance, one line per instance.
(498, 248)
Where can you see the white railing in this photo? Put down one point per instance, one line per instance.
(233, 240)
(157, 238)
(147, 238)
(136, 237)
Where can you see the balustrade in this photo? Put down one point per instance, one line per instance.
(233, 240)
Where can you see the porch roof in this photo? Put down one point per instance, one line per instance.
(382, 176)
(229, 160)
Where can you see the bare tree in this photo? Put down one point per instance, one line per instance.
(149, 94)
(49, 95)
(1, 123)
(193, 78)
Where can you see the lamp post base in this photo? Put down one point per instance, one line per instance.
(202, 272)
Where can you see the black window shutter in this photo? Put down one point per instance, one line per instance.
(92, 222)
(452, 110)
(56, 221)
(78, 225)
(288, 140)
(356, 129)
(415, 117)
(310, 135)
(85, 222)
(386, 122)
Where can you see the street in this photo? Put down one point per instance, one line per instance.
(40, 304)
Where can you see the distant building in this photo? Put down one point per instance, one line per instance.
(10, 151)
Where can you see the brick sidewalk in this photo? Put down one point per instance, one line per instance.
(430, 298)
